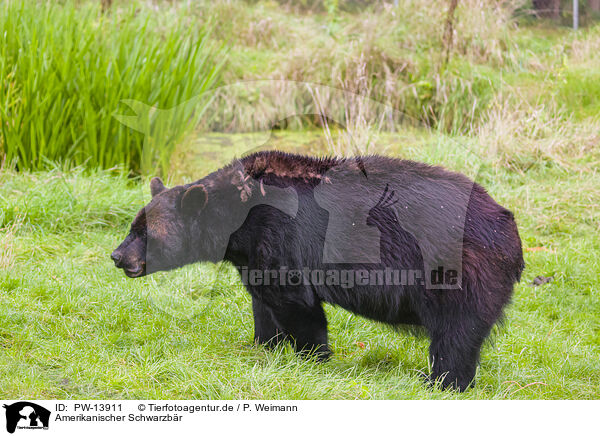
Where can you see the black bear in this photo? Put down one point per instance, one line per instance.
(393, 240)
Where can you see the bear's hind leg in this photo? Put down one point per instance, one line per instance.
(454, 352)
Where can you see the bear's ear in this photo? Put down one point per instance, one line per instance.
(194, 199)
(156, 186)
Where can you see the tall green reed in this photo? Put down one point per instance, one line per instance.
(65, 68)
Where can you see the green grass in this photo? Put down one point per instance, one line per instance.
(73, 326)
(65, 68)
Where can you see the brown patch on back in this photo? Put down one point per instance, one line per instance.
(286, 166)
(250, 173)
(243, 183)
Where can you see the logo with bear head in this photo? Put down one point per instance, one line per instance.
(26, 415)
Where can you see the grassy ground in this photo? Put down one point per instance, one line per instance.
(516, 108)
(73, 326)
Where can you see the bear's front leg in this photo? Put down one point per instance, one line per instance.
(266, 330)
(306, 326)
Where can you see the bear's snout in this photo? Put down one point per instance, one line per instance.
(131, 265)
(116, 256)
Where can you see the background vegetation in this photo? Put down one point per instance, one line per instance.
(512, 101)
(64, 69)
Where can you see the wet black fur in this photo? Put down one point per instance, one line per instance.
(457, 321)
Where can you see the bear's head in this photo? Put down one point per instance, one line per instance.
(165, 233)
(196, 222)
